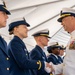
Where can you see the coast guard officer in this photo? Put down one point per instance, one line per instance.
(54, 51)
(41, 37)
(4, 57)
(19, 57)
(67, 19)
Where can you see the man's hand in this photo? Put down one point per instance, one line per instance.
(48, 67)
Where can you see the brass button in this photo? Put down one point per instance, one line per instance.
(7, 68)
(7, 58)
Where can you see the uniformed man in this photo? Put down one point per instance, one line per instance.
(19, 57)
(41, 37)
(4, 57)
(67, 19)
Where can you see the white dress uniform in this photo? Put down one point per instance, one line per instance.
(69, 60)
(68, 66)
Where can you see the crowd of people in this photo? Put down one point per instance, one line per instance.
(15, 58)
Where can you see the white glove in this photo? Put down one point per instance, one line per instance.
(47, 69)
(58, 69)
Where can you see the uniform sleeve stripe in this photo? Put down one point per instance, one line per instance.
(39, 62)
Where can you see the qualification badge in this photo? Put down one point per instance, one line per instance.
(72, 45)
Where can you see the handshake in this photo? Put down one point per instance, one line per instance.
(49, 67)
(54, 69)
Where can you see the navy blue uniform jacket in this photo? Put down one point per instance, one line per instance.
(19, 61)
(54, 60)
(38, 54)
(4, 58)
